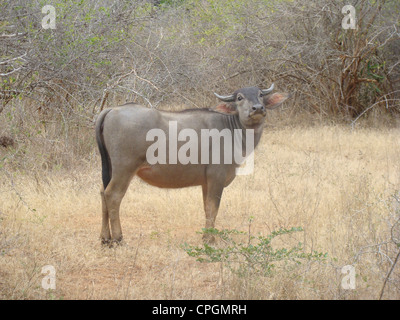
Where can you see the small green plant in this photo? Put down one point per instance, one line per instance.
(245, 254)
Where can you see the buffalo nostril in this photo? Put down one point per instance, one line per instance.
(257, 107)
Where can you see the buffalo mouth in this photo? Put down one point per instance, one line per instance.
(257, 115)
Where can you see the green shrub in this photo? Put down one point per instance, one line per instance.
(245, 254)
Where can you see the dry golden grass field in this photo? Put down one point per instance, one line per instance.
(340, 186)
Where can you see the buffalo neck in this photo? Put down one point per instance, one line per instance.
(233, 122)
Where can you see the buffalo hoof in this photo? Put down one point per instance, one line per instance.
(111, 243)
(208, 239)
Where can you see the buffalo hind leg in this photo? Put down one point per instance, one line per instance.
(105, 234)
(113, 195)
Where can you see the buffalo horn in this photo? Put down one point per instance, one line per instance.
(266, 91)
(229, 98)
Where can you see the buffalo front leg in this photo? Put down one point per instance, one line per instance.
(212, 192)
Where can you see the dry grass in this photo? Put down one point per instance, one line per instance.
(335, 183)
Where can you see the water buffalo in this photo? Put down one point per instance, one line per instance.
(126, 137)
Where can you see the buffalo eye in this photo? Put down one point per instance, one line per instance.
(239, 97)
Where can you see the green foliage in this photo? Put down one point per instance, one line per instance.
(170, 50)
(245, 254)
(214, 22)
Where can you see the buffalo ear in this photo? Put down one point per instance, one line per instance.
(225, 108)
(274, 100)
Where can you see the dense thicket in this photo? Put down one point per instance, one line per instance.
(174, 52)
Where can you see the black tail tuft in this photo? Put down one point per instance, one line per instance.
(105, 170)
(105, 158)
